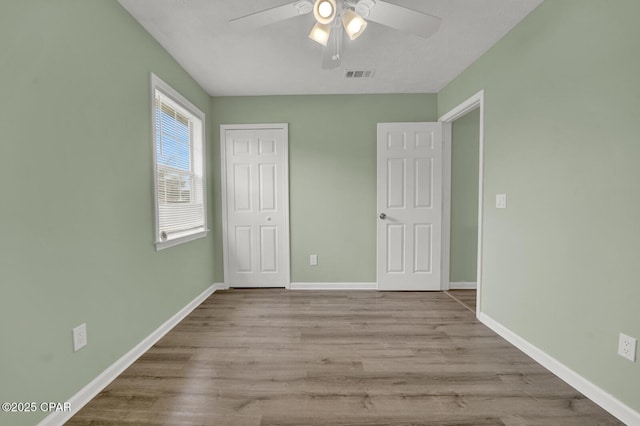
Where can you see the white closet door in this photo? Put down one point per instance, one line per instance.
(257, 227)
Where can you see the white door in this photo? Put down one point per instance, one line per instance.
(255, 205)
(409, 206)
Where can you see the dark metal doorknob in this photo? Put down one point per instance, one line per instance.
(382, 215)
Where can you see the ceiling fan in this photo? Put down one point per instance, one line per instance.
(334, 15)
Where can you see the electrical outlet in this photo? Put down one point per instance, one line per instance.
(79, 337)
(627, 347)
(313, 260)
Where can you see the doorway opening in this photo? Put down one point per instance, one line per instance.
(457, 235)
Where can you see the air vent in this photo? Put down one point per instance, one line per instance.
(361, 73)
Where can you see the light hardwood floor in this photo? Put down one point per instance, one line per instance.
(293, 358)
(467, 297)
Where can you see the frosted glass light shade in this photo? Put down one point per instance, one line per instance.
(320, 33)
(353, 23)
(324, 11)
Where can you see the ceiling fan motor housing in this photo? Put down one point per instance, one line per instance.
(363, 7)
(303, 7)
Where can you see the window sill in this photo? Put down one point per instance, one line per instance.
(161, 245)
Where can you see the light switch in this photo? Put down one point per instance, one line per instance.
(79, 337)
(501, 201)
(313, 260)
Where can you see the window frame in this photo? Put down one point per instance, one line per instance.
(157, 84)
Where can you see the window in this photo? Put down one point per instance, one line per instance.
(178, 148)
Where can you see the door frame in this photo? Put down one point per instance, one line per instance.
(470, 104)
(223, 186)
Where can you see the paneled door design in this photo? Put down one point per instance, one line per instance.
(255, 205)
(409, 206)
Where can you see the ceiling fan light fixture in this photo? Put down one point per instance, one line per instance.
(324, 11)
(353, 23)
(320, 33)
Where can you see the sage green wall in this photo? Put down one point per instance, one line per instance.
(332, 174)
(77, 208)
(465, 133)
(560, 264)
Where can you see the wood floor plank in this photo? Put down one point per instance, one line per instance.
(467, 297)
(276, 357)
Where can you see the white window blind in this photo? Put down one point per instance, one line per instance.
(179, 167)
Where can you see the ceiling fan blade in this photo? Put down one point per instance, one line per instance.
(332, 53)
(271, 16)
(403, 19)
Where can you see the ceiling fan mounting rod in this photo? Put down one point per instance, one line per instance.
(349, 4)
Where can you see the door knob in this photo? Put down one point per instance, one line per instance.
(382, 215)
(269, 218)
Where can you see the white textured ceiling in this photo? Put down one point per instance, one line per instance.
(280, 59)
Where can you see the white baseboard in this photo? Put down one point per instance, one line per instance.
(463, 285)
(94, 387)
(607, 401)
(220, 286)
(334, 286)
